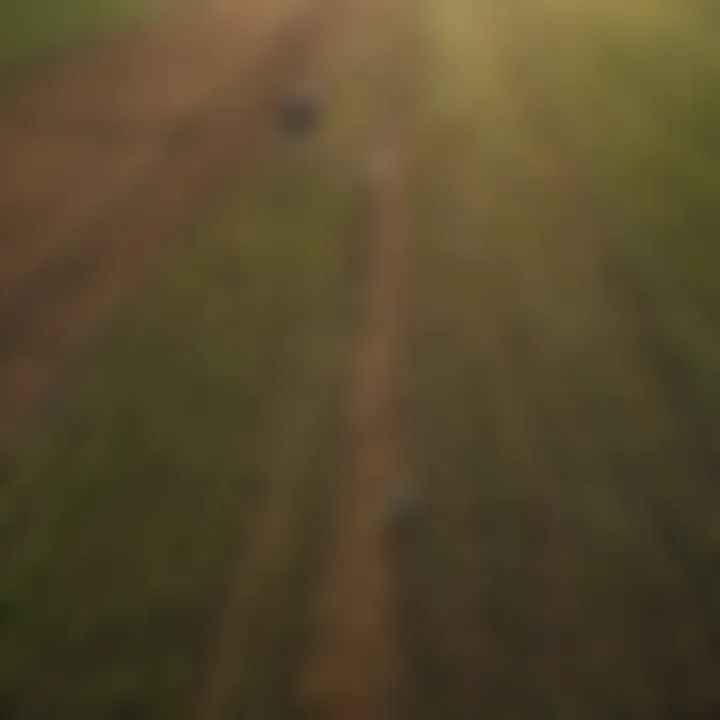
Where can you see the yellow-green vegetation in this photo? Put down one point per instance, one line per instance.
(561, 374)
(564, 367)
(35, 27)
(634, 89)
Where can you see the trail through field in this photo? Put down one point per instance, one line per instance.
(356, 667)
(111, 152)
(520, 519)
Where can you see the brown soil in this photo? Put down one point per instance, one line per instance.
(355, 670)
(109, 154)
(356, 667)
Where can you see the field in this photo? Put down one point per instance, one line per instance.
(414, 417)
(37, 27)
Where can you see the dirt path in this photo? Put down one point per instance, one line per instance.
(356, 665)
(267, 546)
(356, 669)
(110, 154)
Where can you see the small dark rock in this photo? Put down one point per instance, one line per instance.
(299, 112)
(404, 508)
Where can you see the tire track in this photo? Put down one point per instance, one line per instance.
(356, 669)
(356, 666)
(267, 552)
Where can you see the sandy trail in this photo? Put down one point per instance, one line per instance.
(356, 666)
(109, 155)
(356, 669)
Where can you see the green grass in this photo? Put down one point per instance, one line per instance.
(562, 414)
(37, 27)
(125, 516)
(562, 376)
(122, 526)
(634, 89)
